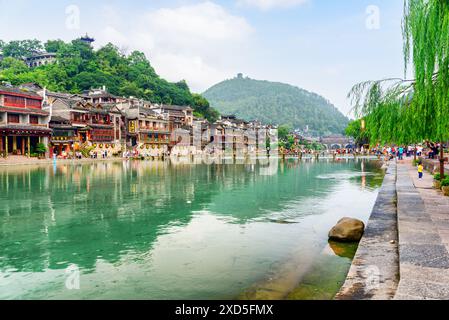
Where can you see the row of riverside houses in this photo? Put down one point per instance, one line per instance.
(98, 122)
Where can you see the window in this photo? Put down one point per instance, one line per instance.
(76, 117)
(102, 135)
(13, 118)
(11, 101)
(33, 103)
(34, 120)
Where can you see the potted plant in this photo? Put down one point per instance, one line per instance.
(445, 187)
(41, 149)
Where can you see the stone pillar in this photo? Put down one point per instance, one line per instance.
(1, 144)
(23, 146)
(14, 143)
(6, 145)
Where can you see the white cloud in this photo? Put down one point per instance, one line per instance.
(270, 4)
(199, 74)
(187, 42)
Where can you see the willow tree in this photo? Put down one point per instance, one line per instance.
(412, 110)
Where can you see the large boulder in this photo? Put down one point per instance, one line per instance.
(347, 230)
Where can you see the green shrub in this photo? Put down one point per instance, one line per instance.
(41, 148)
(85, 151)
(445, 182)
(437, 176)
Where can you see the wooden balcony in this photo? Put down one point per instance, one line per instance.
(154, 129)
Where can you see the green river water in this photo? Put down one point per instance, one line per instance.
(161, 230)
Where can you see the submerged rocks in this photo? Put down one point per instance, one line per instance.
(347, 230)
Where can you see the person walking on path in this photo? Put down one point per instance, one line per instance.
(420, 170)
(401, 153)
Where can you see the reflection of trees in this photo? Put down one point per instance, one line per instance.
(81, 213)
(251, 195)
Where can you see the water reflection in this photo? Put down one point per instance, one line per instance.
(125, 213)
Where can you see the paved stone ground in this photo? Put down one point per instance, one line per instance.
(20, 160)
(374, 274)
(423, 224)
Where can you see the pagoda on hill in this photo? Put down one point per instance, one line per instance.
(86, 39)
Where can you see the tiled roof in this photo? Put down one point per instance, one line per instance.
(59, 119)
(177, 108)
(101, 126)
(62, 126)
(19, 91)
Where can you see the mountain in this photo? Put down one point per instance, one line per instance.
(276, 103)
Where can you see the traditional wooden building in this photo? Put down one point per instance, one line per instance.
(64, 136)
(23, 122)
(180, 116)
(148, 131)
(97, 125)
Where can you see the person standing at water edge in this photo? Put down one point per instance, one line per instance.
(420, 170)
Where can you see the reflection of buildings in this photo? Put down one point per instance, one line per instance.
(59, 213)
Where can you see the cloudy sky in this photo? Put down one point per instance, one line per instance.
(324, 46)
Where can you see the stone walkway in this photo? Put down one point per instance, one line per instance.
(423, 224)
(13, 161)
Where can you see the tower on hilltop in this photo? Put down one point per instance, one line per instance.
(88, 40)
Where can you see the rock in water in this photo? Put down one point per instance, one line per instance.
(347, 230)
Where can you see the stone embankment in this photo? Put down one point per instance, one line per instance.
(404, 252)
(374, 273)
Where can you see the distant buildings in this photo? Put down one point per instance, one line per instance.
(40, 59)
(44, 58)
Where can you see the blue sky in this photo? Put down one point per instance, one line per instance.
(324, 46)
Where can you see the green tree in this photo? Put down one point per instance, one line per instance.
(284, 131)
(413, 110)
(54, 45)
(355, 131)
(22, 48)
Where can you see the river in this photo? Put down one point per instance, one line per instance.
(164, 230)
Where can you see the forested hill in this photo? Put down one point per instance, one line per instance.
(79, 67)
(276, 103)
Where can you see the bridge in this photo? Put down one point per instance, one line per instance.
(334, 142)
